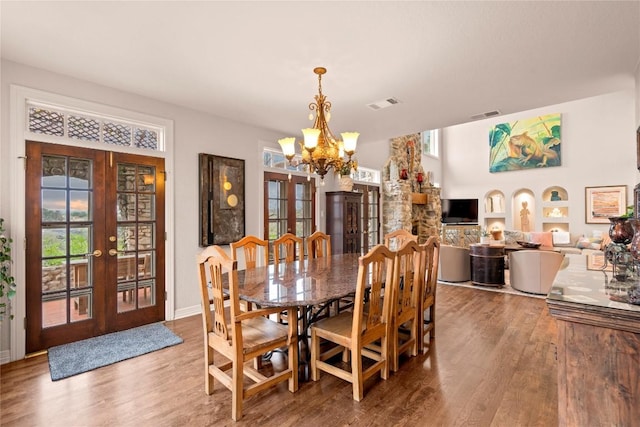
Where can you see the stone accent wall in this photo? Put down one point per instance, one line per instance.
(399, 212)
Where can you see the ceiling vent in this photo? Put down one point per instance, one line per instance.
(379, 105)
(485, 115)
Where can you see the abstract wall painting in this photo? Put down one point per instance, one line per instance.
(221, 199)
(525, 144)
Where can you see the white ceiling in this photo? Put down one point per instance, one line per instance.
(252, 61)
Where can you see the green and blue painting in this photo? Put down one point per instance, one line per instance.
(525, 144)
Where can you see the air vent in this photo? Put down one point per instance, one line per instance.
(383, 104)
(485, 115)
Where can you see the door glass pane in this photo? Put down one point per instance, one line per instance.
(79, 242)
(54, 171)
(126, 209)
(54, 205)
(54, 309)
(146, 236)
(146, 179)
(80, 173)
(146, 207)
(81, 305)
(79, 202)
(54, 242)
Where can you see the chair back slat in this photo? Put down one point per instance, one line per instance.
(251, 246)
(395, 239)
(318, 245)
(288, 248)
(408, 264)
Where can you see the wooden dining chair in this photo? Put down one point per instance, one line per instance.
(427, 302)
(405, 326)
(251, 246)
(354, 330)
(288, 248)
(318, 245)
(238, 336)
(396, 239)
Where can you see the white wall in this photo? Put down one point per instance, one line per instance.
(598, 149)
(194, 132)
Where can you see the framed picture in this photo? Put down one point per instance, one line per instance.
(605, 202)
(221, 199)
(533, 143)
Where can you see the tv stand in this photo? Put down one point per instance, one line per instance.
(460, 235)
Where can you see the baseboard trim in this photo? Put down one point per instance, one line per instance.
(187, 312)
(5, 356)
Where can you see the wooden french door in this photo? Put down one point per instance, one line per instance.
(370, 212)
(95, 243)
(289, 206)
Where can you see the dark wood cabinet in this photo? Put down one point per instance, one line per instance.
(343, 221)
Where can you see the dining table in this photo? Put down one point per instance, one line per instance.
(311, 285)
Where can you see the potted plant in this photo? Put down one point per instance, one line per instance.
(346, 182)
(485, 237)
(7, 282)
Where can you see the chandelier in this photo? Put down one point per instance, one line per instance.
(321, 151)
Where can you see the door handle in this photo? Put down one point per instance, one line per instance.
(97, 253)
(113, 252)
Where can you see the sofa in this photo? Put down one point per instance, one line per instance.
(563, 242)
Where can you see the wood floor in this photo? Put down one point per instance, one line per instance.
(492, 364)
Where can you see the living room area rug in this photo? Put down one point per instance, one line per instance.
(81, 356)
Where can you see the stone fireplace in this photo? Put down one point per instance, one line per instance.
(407, 203)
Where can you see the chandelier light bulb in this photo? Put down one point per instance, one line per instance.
(350, 140)
(288, 146)
(310, 116)
(310, 138)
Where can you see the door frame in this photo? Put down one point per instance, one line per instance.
(19, 95)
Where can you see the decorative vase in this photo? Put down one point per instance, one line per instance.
(635, 242)
(554, 196)
(620, 230)
(345, 183)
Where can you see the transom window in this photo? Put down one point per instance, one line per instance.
(274, 159)
(57, 121)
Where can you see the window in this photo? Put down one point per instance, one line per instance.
(430, 142)
(275, 159)
(366, 175)
(57, 121)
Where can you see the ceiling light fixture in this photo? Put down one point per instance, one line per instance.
(321, 151)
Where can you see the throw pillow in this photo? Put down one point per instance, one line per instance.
(511, 237)
(561, 238)
(545, 238)
(589, 243)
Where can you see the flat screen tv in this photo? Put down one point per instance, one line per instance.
(460, 211)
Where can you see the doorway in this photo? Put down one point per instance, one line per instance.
(289, 206)
(95, 233)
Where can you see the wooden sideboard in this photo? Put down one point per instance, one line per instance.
(598, 348)
(343, 221)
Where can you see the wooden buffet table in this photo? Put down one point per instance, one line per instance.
(598, 348)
